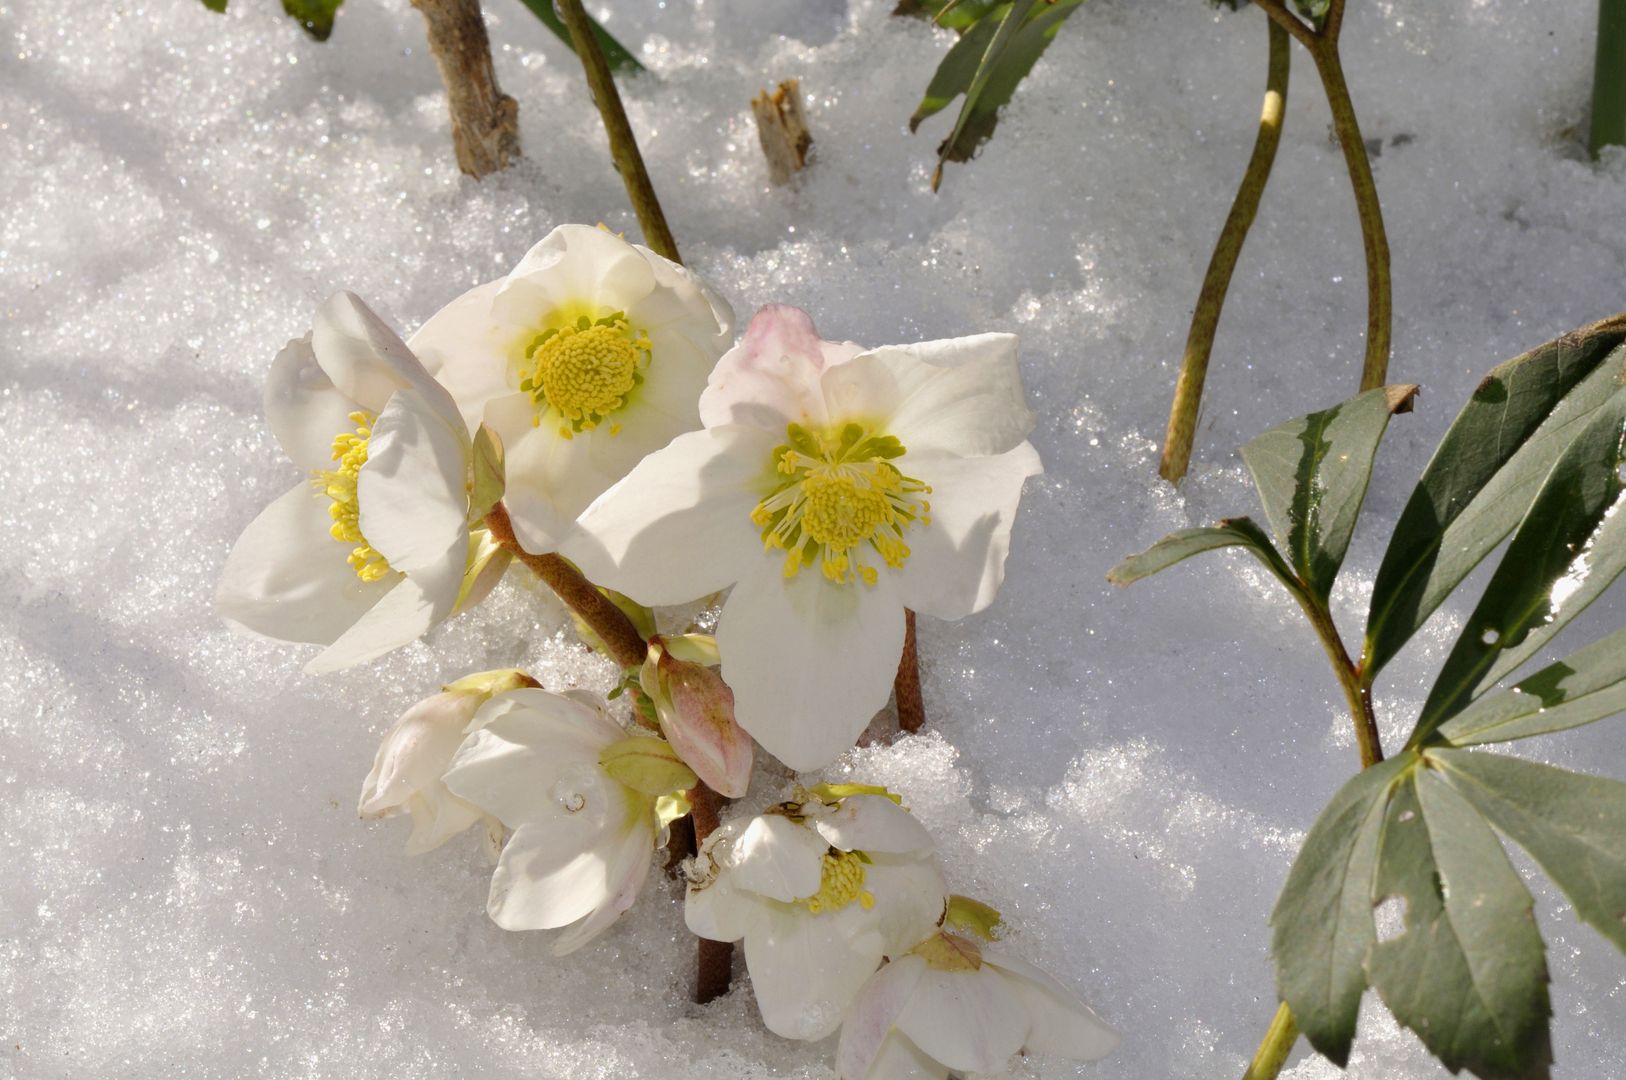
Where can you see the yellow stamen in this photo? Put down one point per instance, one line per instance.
(840, 883)
(339, 485)
(584, 373)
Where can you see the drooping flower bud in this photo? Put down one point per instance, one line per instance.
(695, 708)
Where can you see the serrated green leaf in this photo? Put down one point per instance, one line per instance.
(1323, 927)
(1483, 475)
(1570, 546)
(617, 55)
(1468, 974)
(1184, 543)
(1573, 825)
(316, 16)
(1584, 687)
(1312, 474)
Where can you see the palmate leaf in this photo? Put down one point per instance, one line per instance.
(1312, 475)
(619, 57)
(1184, 543)
(1484, 474)
(1584, 687)
(1570, 546)
(992, 57)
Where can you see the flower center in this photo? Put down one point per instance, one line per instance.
(841, 493)
(840, 883)
(585, 372)
(350, 451)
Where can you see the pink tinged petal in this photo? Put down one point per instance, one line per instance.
(811, 663)
(367, 360)
(961, 396)
(872, 1014)
(1061, 1024)
(467, 353)
(304, 408)
(957, 563)
(629, 867)
(873, 823)
(900, 1059)
(679, 525)
(413, 491)
(405, 613)
(701, 728)
(771, 378)
(287, 578)
(806, 969)
(777, 858)
(968, 1020)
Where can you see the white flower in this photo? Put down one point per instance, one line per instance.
(821, 891)
(582, 841)
(590, 354)
(372, 550)
(832, 487)
(406, 774)
(954, 1004)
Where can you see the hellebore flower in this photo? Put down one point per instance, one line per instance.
(375, 548)
(821, 890)
(695, 711)
(952, 1003)
(547, 765)
(406, 774)
(832, 487)
(591, 353)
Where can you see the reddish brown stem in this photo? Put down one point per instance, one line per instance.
(906, 687)
(626, 646)
(714, 967)
(485, 121)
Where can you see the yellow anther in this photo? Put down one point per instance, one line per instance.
(584, 373)
(840, 883)
(339, 485)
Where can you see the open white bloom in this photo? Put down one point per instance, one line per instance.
(591, 353)
(832, 487)
(953, 1003)
(582, 841)
(821, 890)
(375, 547)
(406, 773)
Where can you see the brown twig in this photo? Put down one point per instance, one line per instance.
(906, 687)
(714, 960)
(485, 121)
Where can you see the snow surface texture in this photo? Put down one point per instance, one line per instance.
(186, 889)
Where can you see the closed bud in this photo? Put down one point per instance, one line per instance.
(695, 708)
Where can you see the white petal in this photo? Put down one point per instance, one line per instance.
(416, 751)
(575, 264)
(287, 578)
(721, 912)
(968, 1020)
(464, 349)
(771, 378)
(810, 662)
(549, 876)
(436, 818)
(777, 858)
(529, 765)
(962, 396)
(366, 359)
(413, 491)
(679, 525)
(806, 968)
(404, 614)
(871, 1016)
(910, 895)
(629, 867)
(683, 303)
(551, 479)
(304, 408)
(957, 563)
(1061, 1024)
(873, 823)
(900, 1059)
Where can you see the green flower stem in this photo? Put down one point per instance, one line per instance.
(623, 145)
(1609, 79)
(1188, 391)
(1278, 1043)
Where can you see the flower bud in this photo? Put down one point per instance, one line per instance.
(695, 708)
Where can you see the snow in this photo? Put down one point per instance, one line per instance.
(1124, 773)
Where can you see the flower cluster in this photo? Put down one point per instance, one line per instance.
(590, 416)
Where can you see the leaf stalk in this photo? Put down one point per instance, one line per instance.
(1609, 78)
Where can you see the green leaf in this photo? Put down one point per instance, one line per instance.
(1183, 544)
(1570, 546)
(1024, 30)
(1573, 825)
(1314, 10)
(954, 15)
(1469, 972)
(1484, 474)
(1586, 686)
(616, 54)
(215, 5)
(953, 76)
(1312, 474)
(1323, 927)
(316, 16)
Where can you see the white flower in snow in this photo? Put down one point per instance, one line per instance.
(582, 841)
(832, 487)
(591, 353)
(952, 1003)
(406, 774)
(375, 548)
(821, 891)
